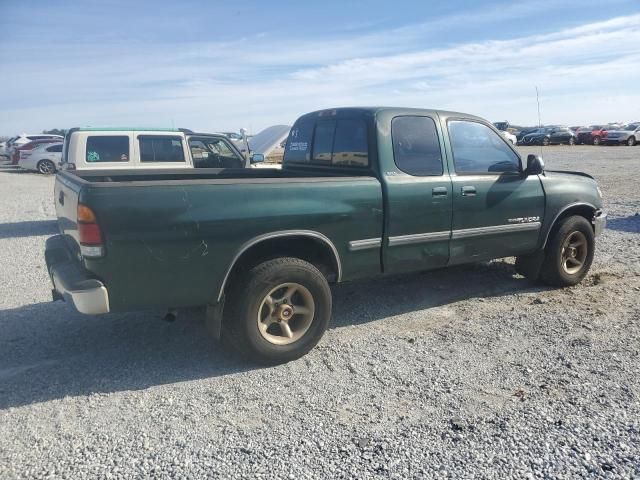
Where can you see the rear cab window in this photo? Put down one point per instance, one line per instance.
(328, 142)
(416, 147)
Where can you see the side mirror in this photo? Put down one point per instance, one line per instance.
(257, 158)
(535, 165)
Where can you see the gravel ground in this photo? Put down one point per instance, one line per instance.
(470, 372)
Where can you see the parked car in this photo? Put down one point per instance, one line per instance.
(363, 192)
(583, 135)
(628, 134)
(525, 131)
(3, 149)
(599, 133)
(24, 148)
(25, 138)
(43, 158)
(550, 136)
(130, 148)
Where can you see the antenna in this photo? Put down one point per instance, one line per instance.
(538, 101)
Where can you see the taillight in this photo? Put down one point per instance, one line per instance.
(89, 233)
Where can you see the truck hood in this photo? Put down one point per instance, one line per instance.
(569, 174)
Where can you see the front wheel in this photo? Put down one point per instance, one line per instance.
(278, 311)
(546, 142)
(596, 140)
(569, 252)
(631, 141)
(46, 167)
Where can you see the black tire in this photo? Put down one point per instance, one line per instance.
(46, 167)
(546, 142)
(554, 271)
(246, 301)
(631, 141)
(596, 140)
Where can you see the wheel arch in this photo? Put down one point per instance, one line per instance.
(307, 245)
(583, 209)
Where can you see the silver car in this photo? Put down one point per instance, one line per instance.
(628, 134)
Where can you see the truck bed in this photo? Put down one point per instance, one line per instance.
(171, 236)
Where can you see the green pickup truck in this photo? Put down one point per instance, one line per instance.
(363, 192)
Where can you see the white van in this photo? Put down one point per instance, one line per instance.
(130, 148)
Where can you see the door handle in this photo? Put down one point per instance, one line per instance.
(61, 197)
(439, 192)
(468, 191)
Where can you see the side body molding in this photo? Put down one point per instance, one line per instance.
(284, 233)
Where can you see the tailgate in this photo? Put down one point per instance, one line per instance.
(66, 192)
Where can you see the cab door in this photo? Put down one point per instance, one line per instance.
(418, 196)
(497, 208)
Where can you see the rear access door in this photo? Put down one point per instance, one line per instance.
(418, 195)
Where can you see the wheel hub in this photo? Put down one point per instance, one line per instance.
(284, 312)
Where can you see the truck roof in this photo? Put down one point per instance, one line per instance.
(350, 111)
(128, 129)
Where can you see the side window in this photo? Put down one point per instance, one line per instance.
(323, 141)
(107, 149)
(350, 144)
(298, 147)
(212, 152)
(160, 148)
(478, 149)
(416, 148)
(55, 148)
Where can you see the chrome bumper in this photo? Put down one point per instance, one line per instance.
(599, 222)
(72, 282)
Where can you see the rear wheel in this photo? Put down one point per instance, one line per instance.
(569, 252)
(46, 167)
(596, 140)
(278, 311)
(631, 141)
(546, 142)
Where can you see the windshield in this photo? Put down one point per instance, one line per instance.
(630, 127)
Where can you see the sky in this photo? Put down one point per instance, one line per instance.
(220, 66)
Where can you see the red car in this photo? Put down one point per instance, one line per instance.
(15, 158)
(599, 133)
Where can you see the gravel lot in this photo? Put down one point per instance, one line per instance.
(469, 372)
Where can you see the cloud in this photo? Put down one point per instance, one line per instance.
(258, 80)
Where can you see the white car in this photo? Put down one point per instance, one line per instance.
(3, 149)
(509, 136)
(25, 138)
(43, 158)
(130, 148)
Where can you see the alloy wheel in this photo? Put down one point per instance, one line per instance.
(286, 313)
(574, 252)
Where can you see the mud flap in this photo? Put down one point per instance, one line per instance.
(213, 319)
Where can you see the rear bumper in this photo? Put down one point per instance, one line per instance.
(599, 222)
(72, 282)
